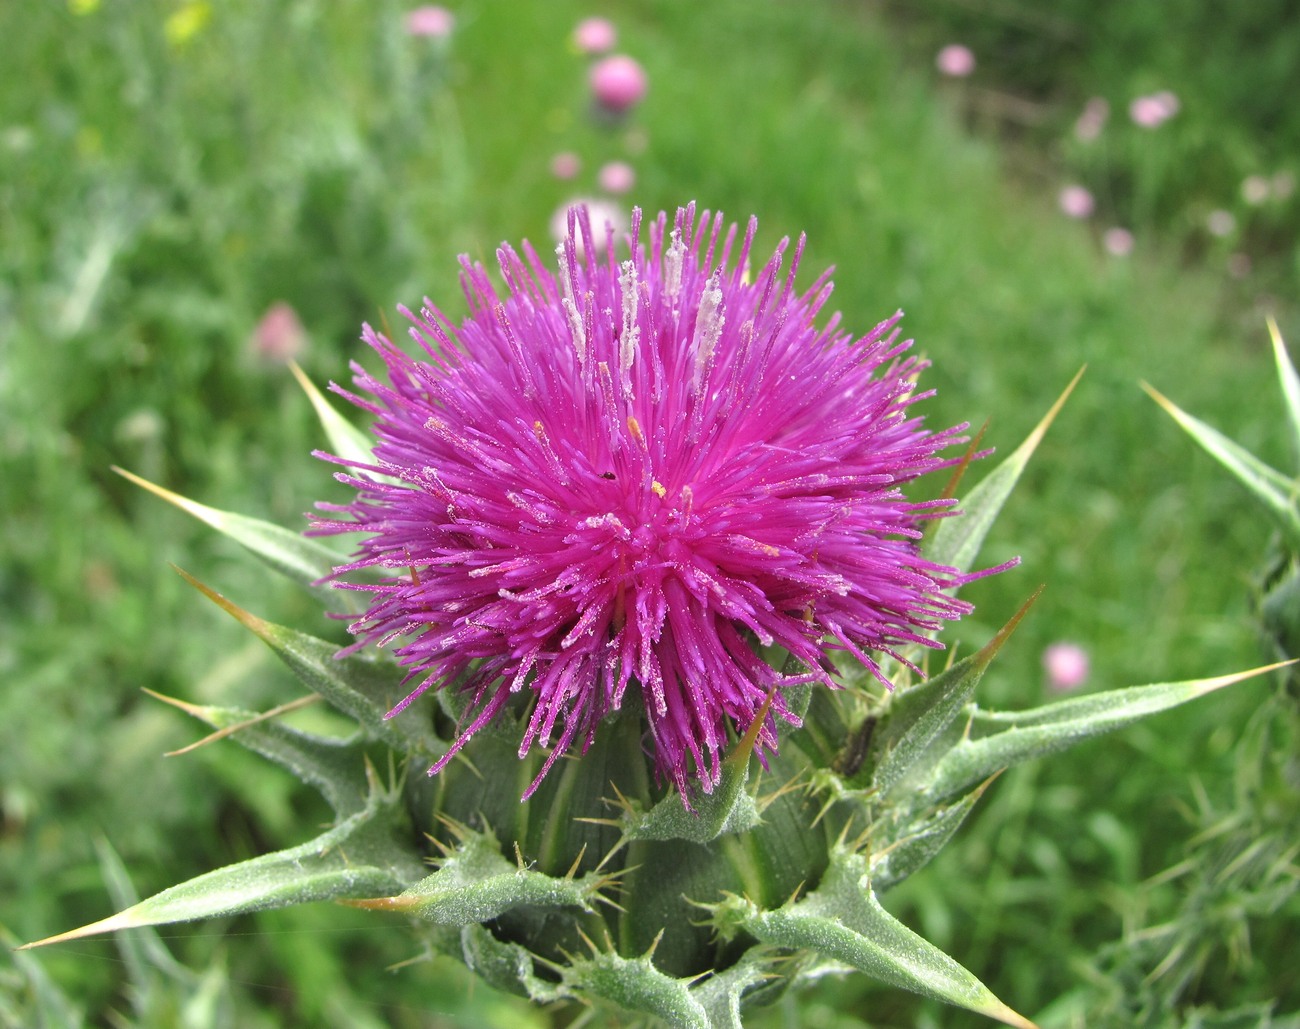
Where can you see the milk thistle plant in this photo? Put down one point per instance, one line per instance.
(645, 635)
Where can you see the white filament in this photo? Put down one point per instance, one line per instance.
(673, 266)
(576, 328)
(709, 321)
(630, 337)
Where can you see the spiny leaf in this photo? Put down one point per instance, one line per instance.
(842, 920)
(722, 994)
(635, 985)
(474, 883)
(1286, 374)
(505, 966)
(913, 851)
(364, 689)
(335, 767)
(346, 440)
(361, 856)
(997, 741)
(298, 557)
(920, 714)
(957, 540)
(1270, 487)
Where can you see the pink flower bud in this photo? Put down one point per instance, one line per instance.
(616, 177)
(1066, 665)
(1076, 202)
(279, 337)
(566, 165)
(430, 21)
(618, 83)
(595, 36)
(955, 61)
(1118, 242)
(1152, 111)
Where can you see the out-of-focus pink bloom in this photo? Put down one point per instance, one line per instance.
(1118, 242)
(1220, 223)
(1076, 202)
(1168, 101)
(1066, 665)
(616, 177)
(595, 35)
(955, 60)
(1093, 119)
(618, 83)
(279, 337)
(1255, 189)
(566, 165)
(1154, 110)
(431, 21)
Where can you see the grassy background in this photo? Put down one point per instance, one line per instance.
(168, 170)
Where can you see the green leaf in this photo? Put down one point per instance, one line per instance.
(957, 540)
(1286, 374)
(474, 883)
(357, 686)
(335, 767)
(298, 557)
(842, 920)
(346, 440)
(366, 854)
(917, 716)
(998, 740)
(1273, 489)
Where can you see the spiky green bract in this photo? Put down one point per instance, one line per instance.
(1277, 585)
(367, 853)
(1276, 491)
(842, 919)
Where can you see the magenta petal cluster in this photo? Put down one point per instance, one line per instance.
(640, 479)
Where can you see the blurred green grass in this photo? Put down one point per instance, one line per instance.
(156, 196)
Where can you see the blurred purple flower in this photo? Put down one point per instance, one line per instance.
(1066, 665)
(279, 336)
(1093, 119)
(616, 177)
(618, 83)
(430, 21)
(955, 60)
(1152, 111)
(643, 473)
(595, 35)
(1255, 189)
(566, 165)
(1076, 202)
(1118, 242)
(1221, 223)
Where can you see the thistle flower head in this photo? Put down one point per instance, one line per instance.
(646, 474)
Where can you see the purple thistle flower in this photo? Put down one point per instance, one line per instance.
(650, 473)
